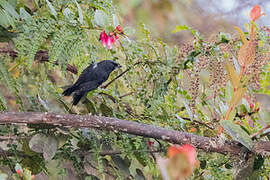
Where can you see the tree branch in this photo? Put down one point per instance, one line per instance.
(113, 124)
(41, 56)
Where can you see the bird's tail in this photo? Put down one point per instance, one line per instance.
(77, 98)
(69, 90)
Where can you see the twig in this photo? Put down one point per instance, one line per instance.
(260, 131)
(204, 124)
(228, 112)
(128, 69)
(199, 122)
(126, 95)
(121, 74)
(242, 71)
(6, 138)
(116, 152)
(109, 96)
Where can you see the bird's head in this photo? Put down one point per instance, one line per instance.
(110, 64)
(116, 65)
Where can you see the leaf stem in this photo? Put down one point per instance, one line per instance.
(229, 112)
(242, 71)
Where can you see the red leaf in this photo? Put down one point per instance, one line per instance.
(256, 13)
(186, 149)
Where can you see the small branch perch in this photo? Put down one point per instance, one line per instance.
(113, 124)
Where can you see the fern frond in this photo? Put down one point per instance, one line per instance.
(3, 104)
(10, 82)
(34, 32)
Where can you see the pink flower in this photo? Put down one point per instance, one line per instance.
(108, 40)
(119, 28)
(104, 38)
(111, 41)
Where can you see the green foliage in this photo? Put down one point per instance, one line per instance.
(172, 87)
(11, 84)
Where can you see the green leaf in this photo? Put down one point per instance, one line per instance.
(10, 82)
(13, 3)
(42, 143)
(233, 76)
(242, 34)
(80, 12)
(100, 18)
(18, 167)
(24, 14)
(180, 28)
(37, 142)
(237, 96)
(10, 19)
(50, 147)
(115, 20)
(51, 8)
(3, 20)
(34, 163)
(190, 114)
(105, 110)
(3, 104)
(27, 174)
(90, 106)
(122, 164)
(237, 133)
(6, 19)
(228, 92)
(7, 7)
(67, 12)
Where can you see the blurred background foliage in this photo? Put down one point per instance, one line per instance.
(175, 80)
(208, 17)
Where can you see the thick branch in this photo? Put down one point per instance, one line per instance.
(113, 124)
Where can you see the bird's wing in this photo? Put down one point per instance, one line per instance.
(87, 86)
(88, 74)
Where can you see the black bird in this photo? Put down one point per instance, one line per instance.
(91, 78)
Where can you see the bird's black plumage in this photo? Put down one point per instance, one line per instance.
(91, 78)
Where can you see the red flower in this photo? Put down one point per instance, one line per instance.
(19, 172)
(150, 144)
(255, 13)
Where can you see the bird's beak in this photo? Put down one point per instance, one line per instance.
(119, 66)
